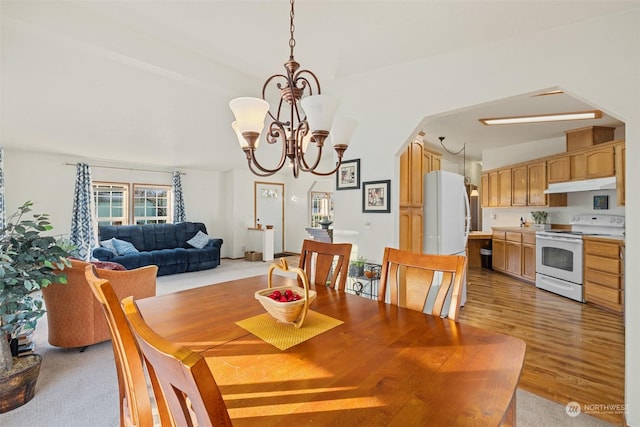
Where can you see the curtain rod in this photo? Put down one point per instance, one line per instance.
(126, 169)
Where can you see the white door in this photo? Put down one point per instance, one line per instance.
(269, 210)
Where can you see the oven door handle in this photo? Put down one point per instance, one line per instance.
(561, 239)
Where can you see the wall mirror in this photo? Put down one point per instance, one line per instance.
(268, 209)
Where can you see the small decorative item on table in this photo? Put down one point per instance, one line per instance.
(292, 303)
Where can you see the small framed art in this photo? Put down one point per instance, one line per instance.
(600, 202)
(348, 175)
(376, 196)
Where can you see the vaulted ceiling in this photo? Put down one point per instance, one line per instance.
(149, 81)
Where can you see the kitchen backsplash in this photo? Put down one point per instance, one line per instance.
(577, 203)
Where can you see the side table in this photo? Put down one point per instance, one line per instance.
(366, 284)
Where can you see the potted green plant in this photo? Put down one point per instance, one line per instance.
(540, 220)
(356, 266)
(28, 263)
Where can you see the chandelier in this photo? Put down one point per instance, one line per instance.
(302, 116)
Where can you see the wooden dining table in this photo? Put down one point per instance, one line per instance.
(383, 366)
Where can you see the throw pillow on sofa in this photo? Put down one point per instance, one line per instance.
(107, 265)
(108, 244)
(199, 241)
(124, 248)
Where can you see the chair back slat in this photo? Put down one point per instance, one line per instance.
(411, 277)
(135, 399)
(325, 264)
(191, 393)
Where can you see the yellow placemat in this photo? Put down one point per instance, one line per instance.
(284, 335)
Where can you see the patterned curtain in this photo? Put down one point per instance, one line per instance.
(83, 230)
(178, 201)
(3, 217)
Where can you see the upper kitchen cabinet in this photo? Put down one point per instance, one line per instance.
(484, 190)
(586, 163)
(519, 185)
(559, 169)
(504, 187)
(588, 136)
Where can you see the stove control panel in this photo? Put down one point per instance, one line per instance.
(596, 224)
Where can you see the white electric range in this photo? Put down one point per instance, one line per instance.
(559, 253)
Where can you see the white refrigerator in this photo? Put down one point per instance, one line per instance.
(446, 219)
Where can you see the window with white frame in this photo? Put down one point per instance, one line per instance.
(149, 203)
(111, 201)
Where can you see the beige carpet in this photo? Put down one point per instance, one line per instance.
(80, 389)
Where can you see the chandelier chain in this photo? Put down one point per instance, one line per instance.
(294, 134)
(292, 28)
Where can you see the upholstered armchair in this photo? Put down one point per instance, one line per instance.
(74, 315)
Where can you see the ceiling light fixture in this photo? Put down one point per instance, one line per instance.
(556, 117)
(297, 121)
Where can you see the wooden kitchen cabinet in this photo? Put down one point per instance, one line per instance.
(537, 183)
(529, 256)
(411, 225)
(519, 185)
(621, 170)
(498, 251)
(493, 189)
(484, 190)
(603, 273)
(415, 161)
(514, 253)
(559, 169)
(596, 163)
(504, 187)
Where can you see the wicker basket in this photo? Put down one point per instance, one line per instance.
(289, 312)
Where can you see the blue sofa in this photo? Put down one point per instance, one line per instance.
(164, 245)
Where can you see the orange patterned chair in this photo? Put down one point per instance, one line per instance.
(75, 316)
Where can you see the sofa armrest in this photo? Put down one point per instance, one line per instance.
(214, 243)
(103, 254)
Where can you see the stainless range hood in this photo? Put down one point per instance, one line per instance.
(608, 183)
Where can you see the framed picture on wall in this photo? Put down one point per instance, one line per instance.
(348, 175)
(600, 202)
(376, 196)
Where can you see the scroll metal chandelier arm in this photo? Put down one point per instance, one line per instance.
(310, 118)
(340, 151)
(276, 132)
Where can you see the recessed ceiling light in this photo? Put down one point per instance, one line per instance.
(556, 117)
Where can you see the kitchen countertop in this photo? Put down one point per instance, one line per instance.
(516, 229)
(477, 235)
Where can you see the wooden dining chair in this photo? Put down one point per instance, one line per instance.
(136, 403)
(410, 276)
(317, 261)
(191, 393)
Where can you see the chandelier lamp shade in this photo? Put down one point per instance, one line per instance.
(300, 116)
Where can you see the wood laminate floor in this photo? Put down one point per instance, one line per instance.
(575, 352)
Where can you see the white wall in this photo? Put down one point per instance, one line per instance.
(49, 182)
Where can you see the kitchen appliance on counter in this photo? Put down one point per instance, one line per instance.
(559, 253)
(447, 218)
